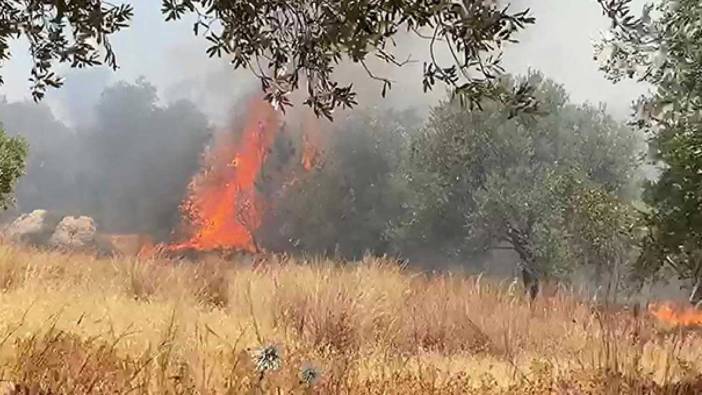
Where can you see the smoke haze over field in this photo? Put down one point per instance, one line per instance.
(128, 166)
(124, 152)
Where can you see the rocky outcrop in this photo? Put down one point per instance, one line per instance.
(46, 229)
(35, 228)
(74, 233)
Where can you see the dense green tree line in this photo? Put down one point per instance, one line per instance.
(663, 47)
(128, 168)
(556, 188)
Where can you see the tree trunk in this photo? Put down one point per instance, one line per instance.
(531, 282)
(530, 276)
(696, 294)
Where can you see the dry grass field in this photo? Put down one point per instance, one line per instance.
(74, 324)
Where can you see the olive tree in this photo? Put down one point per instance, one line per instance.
(13, 153)
(492, 181)
(662, 47)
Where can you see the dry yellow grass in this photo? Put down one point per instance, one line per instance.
(77, 324)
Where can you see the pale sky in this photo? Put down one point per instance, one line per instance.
(169, 56)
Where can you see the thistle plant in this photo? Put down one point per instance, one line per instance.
(267, 359)
(309, 376)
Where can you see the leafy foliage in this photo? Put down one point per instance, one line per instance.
(152, 151)
(345, 205)
(503, 182)
(76, 32)
(52, 178)
(13, 151)
(605, 232)
(129, 170)
(288, 42)
(663, 47)
(553, 188)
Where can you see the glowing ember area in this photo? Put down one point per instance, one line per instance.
(148, 249)
(309, 153)
(311, 141)
(223, 209)
(670, 314)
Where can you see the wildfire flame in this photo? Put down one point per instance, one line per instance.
(668, 313)
(311, 141)
(147, 249)
(223, 209)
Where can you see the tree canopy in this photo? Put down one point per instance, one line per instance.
(129, 168)
(13, 152)
(663, 47)
(74, 32)
(492, 181)
(554, 188)
(345, 204)
(286, 43)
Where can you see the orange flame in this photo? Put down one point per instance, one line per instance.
(223, 208)
(147, 249)
(311, 154)
(668, 313)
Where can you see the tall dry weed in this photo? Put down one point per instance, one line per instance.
(371, 327)
(211, 283)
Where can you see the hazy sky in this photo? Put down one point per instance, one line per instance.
(167, 54)
(560, 45)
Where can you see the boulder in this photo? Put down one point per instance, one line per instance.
(33, 228)
(74, 233)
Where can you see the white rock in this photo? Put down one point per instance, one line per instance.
(33, 228)
(74, 233)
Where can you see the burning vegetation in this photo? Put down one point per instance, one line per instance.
(311, 143)
(223, 208)
(677, 316)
